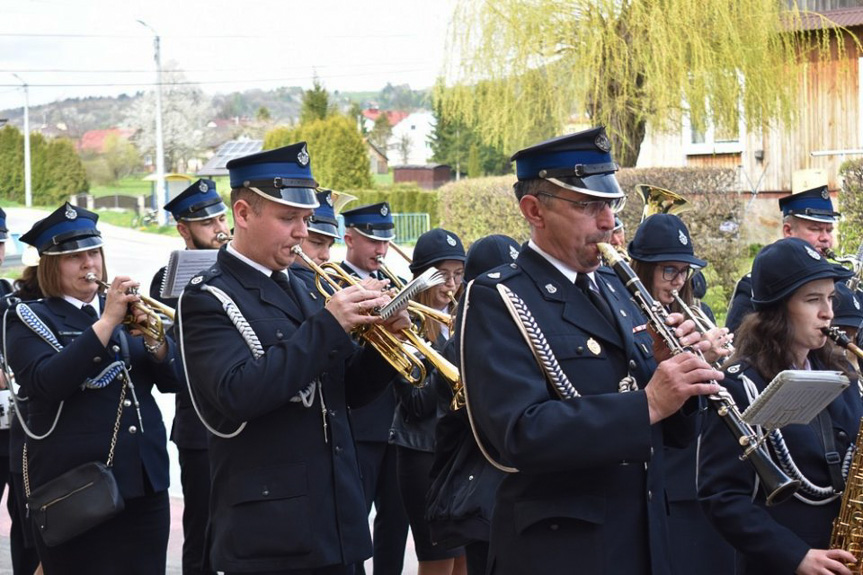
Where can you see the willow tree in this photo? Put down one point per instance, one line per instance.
(521, 70)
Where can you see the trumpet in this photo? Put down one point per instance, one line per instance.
(702, 323)
(417, 309)
(154, 328)
(393, 350)
(222, 237)
(777, 485)
(853, 263)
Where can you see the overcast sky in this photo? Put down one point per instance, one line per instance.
(73, 48)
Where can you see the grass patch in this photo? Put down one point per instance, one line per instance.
(130, 186)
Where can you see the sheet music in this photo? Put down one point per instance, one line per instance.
(795, 396)
(183, 265)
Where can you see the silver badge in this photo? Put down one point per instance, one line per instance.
(734, 368)
(385, 210)
(196, 280)
(856, 303)
(623, 313)
(494, 275)
(682, 237)
(330, 200)
(303, 157)
(812, 253)
(602, 143)
(450, 240)
(203, 187)
(825, 194)
(550, 288)
(513, 253)
(70, 214)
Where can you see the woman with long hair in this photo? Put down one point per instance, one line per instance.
(663, 256)
(60, 349)
(793, 291)
(413, 430)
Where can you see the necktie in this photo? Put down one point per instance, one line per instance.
(584, 284)
(90, 310)
(281, 279)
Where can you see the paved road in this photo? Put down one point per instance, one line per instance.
(140, 255)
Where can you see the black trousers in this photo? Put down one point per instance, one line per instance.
(195, 478)
(380, 485)
(133, 543)
(331, 570)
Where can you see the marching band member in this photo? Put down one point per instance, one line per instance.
(59, 356)
(663, 256)
(618, 233)
(268, 375)
(586, 438)
(323, 233)
(793, 287)
(848, 316)
(416, 413)
(808, 215)
(200, 215)
(368, 233)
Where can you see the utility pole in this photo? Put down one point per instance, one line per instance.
(160, 151)
(28, 185)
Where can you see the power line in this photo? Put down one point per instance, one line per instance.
(193, 70)
(197, 37)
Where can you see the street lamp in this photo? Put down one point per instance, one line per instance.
(28, 189)
(160, 152)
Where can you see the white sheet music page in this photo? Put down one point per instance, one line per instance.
(795, 396)
(183, 265)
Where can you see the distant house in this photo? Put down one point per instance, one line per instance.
(428, 177)
(377, 159)
(215, 166)
(94, 140)
(409, 142)
(370, 115)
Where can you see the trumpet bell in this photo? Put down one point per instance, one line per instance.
(661, 201)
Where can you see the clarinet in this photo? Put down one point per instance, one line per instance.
(777, 485)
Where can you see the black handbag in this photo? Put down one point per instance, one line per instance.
(78, 500)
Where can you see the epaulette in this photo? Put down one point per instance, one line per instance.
(203, 277)
(498, 274)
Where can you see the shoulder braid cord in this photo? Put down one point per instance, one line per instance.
(824, 494)
(30, 319)
(305, 396)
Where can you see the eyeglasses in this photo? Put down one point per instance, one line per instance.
(592, 208)
(454, 277)
(671, 273)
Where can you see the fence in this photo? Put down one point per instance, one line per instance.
(409, 227)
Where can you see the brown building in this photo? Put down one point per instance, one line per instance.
(428, 177)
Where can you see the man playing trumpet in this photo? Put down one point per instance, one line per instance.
(269, 376)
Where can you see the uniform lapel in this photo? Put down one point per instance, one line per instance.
(577, 308)
(267, 289)
(618, 303)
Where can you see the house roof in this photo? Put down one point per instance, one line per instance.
(394, 116)
(375, 148)
(227, 152)
(845, 17)
(94, 140)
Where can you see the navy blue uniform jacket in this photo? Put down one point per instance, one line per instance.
(84, 431)
(770, 540)
(589, 495)
(286, 492)
(741, 303)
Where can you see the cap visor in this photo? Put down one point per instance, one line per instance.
(599, 185)
(205, 213)
(74, 246)
(294, 197)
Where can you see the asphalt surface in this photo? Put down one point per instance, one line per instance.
(140, 255)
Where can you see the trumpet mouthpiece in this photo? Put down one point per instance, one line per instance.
(91, 277)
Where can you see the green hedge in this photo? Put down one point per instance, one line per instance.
(851, 207)
(403, 199)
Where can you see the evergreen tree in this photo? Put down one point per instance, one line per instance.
(381, 131)
(11, 164)
(316, 103)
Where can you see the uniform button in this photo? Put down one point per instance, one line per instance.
(279, 334)
(651, 452)
(513, 266)
(632, 364)
(127, 403)
(97, 359)
(554, 526)
(265, 492)
(842, 435)
(579, 350)
(339, 450)
(115, 348)
(649, 495)
(133, 429)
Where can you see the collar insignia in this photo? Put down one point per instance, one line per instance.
(734, 368)
(196, 280)
(550, 288)
(494, 275)
(513, 253)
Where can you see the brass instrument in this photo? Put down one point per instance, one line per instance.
(847, 530)
(416, 308)
(777, 485)
(222, 237)
(853, 263)
(661, 201)
(388, 345)
(702, 323)
(154, 328)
